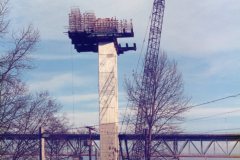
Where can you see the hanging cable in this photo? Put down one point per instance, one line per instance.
(139, 58)
(73, 93)
(124, 116)
(200, 104)
(215, 100)
(144, 40)
(213, 115)
(211, 131)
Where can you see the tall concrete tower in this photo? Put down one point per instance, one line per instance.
(91, 34)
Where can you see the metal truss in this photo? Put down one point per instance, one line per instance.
(188, 146)
(72, 146)
(57, 146)
(149, 72)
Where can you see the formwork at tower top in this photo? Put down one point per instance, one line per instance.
(86, 31)
(87, 22)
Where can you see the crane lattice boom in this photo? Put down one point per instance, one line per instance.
(150, 65)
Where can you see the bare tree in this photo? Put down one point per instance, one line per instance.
(16, 59)
(3, 20)
(21, 111)
(166, 103)
(12, 89)
(37, 111)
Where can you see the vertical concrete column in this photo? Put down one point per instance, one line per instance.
(108, 102)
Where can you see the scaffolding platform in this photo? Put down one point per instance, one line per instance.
(86, 31)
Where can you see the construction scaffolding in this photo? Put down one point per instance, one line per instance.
(87, 22)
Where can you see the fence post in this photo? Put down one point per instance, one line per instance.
(41, 144)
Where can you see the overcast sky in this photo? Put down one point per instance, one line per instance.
(202, 36)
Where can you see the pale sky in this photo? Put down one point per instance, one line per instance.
(202, 36)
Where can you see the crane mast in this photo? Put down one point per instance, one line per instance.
(150, 64)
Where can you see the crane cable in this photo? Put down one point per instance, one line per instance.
(72, 87)
(215, 100)
(144, 40)
(198, 105)
(139, 58)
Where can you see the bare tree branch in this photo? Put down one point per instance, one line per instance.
(166, 101)
(17, 58)
(21, 111)
(3, 13)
